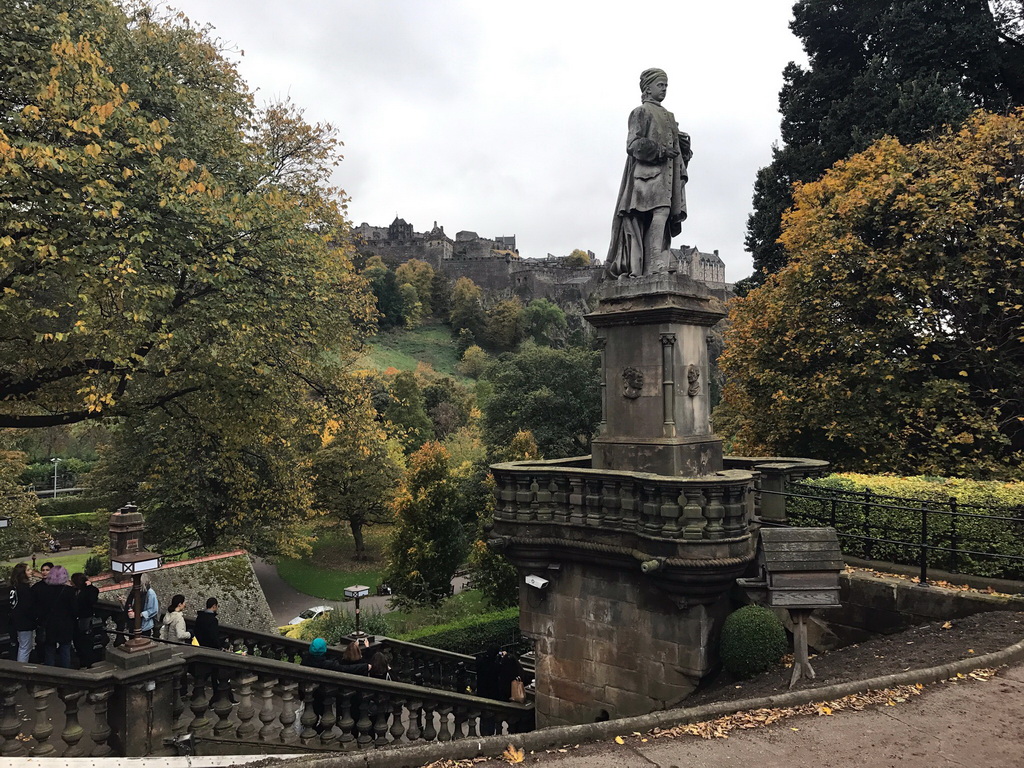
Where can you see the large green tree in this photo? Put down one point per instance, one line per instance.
(894, 338)
(553, 393)
(879, 67)
(159, 236)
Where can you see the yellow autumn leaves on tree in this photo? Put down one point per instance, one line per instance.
(894, 338)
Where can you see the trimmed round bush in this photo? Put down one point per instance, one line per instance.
(753, 639)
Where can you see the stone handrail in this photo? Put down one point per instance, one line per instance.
(773, 473)
(433, 667)
(281, 707)
(358, 712)
(562, 492)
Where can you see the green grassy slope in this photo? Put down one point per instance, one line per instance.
(404, 349)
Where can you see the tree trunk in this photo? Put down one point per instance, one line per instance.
(357, 536)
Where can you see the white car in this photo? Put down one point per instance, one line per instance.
(311, 613)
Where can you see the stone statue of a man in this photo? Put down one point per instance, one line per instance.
(652, 201)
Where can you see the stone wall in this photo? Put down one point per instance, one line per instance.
(621, 647)
(228, 577)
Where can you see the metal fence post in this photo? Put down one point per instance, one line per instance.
(924, 546)
(954, 544)
(868, 541)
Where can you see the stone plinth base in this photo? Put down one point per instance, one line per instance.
(608, 644)
(672, 456)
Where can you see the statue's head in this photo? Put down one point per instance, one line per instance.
(653, 84)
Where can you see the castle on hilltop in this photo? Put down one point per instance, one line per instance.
(495, 264)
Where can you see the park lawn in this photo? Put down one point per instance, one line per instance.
(74, 563)
(406, 349)
(332, 565)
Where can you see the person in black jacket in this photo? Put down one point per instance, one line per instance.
(86, 596)
(55, 613)
(316, 657)
(207, 632)
(23, 616)
(40, 575)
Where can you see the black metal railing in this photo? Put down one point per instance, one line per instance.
(924, 532)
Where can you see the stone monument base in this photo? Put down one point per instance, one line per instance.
(672, 456)
(609, 644)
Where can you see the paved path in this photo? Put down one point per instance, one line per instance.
(286, 602)
(971, 725)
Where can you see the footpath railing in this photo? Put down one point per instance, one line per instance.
(927, 533)
(214, 702)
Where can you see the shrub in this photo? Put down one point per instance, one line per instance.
(945, 532)
(75, 505)
(334, 625)
(470, 635)
(753, 639)
(93, 566)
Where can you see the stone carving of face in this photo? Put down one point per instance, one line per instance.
(657, 90)
(632, 382)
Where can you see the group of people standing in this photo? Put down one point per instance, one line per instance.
(52, 614)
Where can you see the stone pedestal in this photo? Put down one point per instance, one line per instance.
(656, 404)
(140, 710)
(608, 644)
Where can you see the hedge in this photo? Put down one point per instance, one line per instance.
(74, 505)
(939, 496)
(470, 635)
(83, 523)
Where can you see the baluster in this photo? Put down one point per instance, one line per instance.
(443, 733)
(651, 524)
(73, 731)
(612, 503)
(397, 729)
(287, 717)
(576, 500)
(267, 714)
(415, 730)
(381, 712)
(309, 717)
(222, 704)
(670, 527)
(522, 498)
(534, 501)
(473, 722)
(543, 497)
(100, 725)
(200, 702)
(180, 692)
(734, 524)
(595, 513)
(714, 512)
(560, 498)
(346, 723)
(459, 732)
(10, 723)
(629, 506)
(42, 728)
(693, 515)
(246, 711)
(364, 725)
(329, 717)
(429, 731)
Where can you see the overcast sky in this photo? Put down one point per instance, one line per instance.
(510, 118)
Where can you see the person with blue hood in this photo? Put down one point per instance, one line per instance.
(316, 657)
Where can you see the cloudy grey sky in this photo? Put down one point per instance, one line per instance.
(510, 118)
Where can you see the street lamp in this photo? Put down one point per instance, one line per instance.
(357, 592)
(5, 522)
(128, 556)
(55, 463)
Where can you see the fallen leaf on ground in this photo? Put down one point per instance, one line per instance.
(947, 625)
(619, 740)
(513, 755)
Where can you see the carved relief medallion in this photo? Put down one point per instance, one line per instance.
(632, 382)
(693, 377)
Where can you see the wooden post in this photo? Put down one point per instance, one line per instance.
(801, 665)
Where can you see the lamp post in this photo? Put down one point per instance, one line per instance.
(357, 592)
(128, 556)
(55, 463)
(5, 522)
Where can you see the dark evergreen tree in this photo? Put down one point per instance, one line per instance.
(880, 67)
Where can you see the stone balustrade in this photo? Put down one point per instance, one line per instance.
(654, 507)
(772, 475)
(49, 712)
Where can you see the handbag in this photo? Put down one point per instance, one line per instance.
(518, 691)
